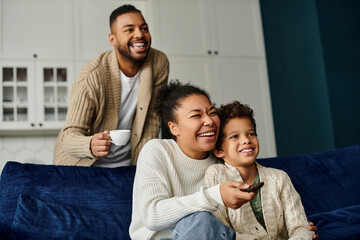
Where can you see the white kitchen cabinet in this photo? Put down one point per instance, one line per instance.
(208, 27)
(17, 94)
(246, 80)
(34, 95)
(218, 45)
(36, 27)
(215, 44)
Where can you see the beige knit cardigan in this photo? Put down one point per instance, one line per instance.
(95, 102)
(283, 211)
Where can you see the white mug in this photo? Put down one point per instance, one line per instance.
(120, 137)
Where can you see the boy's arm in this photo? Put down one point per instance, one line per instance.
(212, 178)
(294, 213)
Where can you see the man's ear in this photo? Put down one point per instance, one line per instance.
(112, 39)
(173, 128)
(218, 153)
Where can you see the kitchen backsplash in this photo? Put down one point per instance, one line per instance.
(27, 149)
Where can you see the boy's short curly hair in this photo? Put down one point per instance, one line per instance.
(230, 111)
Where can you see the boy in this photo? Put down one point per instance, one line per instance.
(276, 212)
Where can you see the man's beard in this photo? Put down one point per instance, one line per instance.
(127, 54)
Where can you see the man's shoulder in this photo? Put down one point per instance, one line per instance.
(96, 67)
(157, 55)
(99, 63)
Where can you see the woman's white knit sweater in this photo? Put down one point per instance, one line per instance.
(168, 187)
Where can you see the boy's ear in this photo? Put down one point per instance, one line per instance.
(218, 153)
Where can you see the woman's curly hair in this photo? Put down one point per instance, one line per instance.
(170, 97)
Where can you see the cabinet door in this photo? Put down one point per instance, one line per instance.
(92, 25)
(41, 27)
(53, 89)
(17, 94)
(247, 82)
(236, 28)
(197, 71)
(182, 27)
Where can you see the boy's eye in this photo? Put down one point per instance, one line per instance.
(195, 116)
(252, 134)
(145, 29)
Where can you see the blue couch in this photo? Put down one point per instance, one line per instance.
(65, 202)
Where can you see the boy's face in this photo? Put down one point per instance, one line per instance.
(240, 146)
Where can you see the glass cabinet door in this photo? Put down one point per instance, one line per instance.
(15, 92)
(34, 94)
(54, 83)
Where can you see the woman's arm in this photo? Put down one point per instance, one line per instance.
(154, 198)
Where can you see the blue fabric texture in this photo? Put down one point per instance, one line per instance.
(37, 219)
(83, 187)
(326, 181)
(202, 226)
(340, 224)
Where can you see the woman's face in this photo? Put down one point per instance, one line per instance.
(196, 127)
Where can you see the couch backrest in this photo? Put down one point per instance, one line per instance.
(86, 187)
(326, 180)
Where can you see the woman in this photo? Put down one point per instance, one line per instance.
(169, 174)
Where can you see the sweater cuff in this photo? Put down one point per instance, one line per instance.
(214, 195)
(87, 149)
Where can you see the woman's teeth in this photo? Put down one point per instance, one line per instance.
(247, 150)
(207, 134)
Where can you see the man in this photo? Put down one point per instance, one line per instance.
(114, 91)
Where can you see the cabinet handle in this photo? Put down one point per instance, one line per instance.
(209, 52)
(35, 55)
(32, 124)
(216, 52)
(40, 124)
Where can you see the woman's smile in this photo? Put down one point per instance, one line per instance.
(196, 127)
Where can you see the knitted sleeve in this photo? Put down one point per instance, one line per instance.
(212, 177)
(76, 137)
(294, 213)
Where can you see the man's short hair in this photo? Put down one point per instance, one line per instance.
(127, 8)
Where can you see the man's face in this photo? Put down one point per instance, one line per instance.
(130, 36)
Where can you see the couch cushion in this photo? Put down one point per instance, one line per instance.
(326, 181)
(87, 187)
(339, 224)
(37, 219)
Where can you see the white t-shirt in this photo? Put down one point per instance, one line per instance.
(121, 155)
